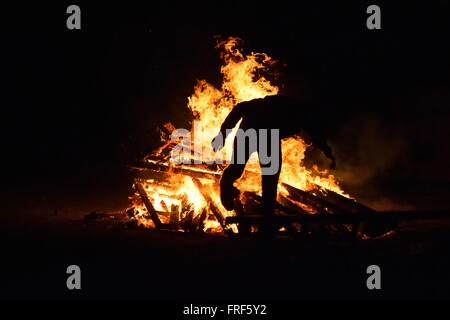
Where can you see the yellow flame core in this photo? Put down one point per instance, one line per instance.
(210, 106)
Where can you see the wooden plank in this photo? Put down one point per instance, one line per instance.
(284, 215)
(192, 171)
(320, 206)
(373, 223)
(147, 174)
(347, 218)
(367, 220)
(300, 218)
(318, 203)
(339, 201)
(278, 206)
(215, 210)
(151, 210)
(201, 220)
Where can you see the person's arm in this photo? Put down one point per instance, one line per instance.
(234, 116)
(229, 123)
(318, 140)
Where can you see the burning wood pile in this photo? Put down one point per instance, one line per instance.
(180, 190)
(186, 198)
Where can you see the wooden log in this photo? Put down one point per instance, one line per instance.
(161, 152)
(201, 220)
(347, 218)
(189, 221)
(298, 214)
(337, 200)
(321, 205)
(164, 206)
(300, 218)
(192, 171)
(244, 229)
(366, 219)
(372, 223)
(278, 206)
(150, 209)
(164, 152)
(174, 215)
(148, 174)
(214, 209)
(280, 210)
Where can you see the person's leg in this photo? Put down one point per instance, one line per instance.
(269, 188)
(227, 190)
(269, 192)
(233, 172)
(270, 177)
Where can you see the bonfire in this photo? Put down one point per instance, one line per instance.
(183, 194)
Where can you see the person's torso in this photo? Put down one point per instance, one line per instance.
(289, 115)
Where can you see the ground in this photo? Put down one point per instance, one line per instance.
(146, 264)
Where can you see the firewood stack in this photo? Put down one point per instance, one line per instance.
(297, 212)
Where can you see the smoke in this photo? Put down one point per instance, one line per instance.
(366, 148)
(397, 160)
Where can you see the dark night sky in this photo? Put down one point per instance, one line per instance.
(78, 106)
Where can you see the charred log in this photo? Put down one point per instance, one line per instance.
(214, 209)
(320, 206)
(150, 209)
(192, 171)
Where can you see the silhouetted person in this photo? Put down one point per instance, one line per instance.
(290, 116)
